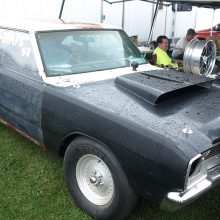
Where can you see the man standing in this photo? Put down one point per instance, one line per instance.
(181, 44)
(162, 58)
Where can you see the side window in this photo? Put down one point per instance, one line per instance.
(216, 28)
(16, 52)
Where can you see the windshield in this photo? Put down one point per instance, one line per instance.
(72, 52)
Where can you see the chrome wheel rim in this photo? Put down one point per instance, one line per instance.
(199, 57)
(94, 179)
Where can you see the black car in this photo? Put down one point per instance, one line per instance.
(124, 127)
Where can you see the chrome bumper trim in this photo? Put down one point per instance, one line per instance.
(176, 200)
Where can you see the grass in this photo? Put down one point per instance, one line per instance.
(32, 186)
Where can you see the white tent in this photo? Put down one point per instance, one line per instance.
(200, 3)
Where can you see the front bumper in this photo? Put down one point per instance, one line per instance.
(176, 200)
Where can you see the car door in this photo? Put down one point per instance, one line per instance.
(20, 84)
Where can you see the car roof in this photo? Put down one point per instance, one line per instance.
(49, 25)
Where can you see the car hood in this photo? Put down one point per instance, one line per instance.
(187, 113)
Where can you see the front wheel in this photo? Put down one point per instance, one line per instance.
(96, 180)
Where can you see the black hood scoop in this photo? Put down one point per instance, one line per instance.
(158, 85)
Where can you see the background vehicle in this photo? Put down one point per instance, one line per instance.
(203, 34)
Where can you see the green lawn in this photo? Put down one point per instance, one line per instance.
(32, 187)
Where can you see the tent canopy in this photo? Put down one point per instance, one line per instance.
(199, 3)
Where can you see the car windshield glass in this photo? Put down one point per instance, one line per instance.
(72, 52)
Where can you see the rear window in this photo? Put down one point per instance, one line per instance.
(16, 51)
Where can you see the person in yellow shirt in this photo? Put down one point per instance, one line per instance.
(162, 58)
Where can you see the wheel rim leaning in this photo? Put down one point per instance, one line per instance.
(199, 57)
(94, 179)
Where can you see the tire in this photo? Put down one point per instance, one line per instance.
(96, 180)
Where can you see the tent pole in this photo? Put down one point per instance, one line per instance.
(213, 16)
(101, 12)
(123, 15)
(196, 15)
(153, 22)
(61, 9)
(165, 25)
(174, 24)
